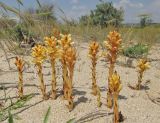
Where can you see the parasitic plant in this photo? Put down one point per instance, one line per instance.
(115, 86)
(39, 55)
(93, 51)
(20, 64)
(112, 44)
(142, 66)
(53, 52)
(65, 42)
(98, 97)
(70, 58)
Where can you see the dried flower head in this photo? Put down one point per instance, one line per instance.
(66, 41)
(70, 57)
(52, 48)
(19, 63)
(39, 54)
(143, 65)
(113, 41)
(115, 83)
(93, 49)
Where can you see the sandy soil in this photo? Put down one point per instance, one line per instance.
(136, 106)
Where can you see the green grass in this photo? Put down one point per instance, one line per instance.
(20, 103)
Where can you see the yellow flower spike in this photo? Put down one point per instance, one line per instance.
(115, 86)
(20, 64)
(65, 41)
(113, 46)
(142, 66)
(53, 52)
(70, 58)
(93, 51)
(39, 55)
(93, 48)
(115, 83)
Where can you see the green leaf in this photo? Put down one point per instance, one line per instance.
(10, 117)
(8, 8)
(47, 115)
(71, 120)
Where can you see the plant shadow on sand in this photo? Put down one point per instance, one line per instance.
(102, 89)
(144, 87)
(122, 97)
(78, 92)
(81, 100)
(93, 115)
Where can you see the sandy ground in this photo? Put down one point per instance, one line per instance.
(136, 106)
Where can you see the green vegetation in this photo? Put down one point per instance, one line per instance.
(6, 112)
(104, 14)
(136, 51)
(47, 115)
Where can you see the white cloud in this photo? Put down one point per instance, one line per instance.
(74, 1)
(80, 7)
(77, 11)
(128, 3)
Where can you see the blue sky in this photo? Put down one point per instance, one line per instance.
(76, 8)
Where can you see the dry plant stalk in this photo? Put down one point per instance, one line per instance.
(112, 44)
(70, 58)
(98, 97)
(142, 66)
(65, 42)
(115, 86)
(53, 52)
(20, 64)
(93, 51)
(39, 55)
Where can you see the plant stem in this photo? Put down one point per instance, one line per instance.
(116, 114)
(42, 86)
(109, 93)
(138, 86)
(53, 95)
(69, 83)
(20, 84)
(94, 84)
(65, 75)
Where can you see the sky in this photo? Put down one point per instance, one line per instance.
(76, 8)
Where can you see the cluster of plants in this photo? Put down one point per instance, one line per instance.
(59, 47)
(136, 51)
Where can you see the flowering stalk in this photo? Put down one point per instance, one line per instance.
(115, 86)
(142, 66)
(93, 50)
(20, 64)
(39, 55)
(112, 44)
(70, 58)
(53, 52)
(65, 42)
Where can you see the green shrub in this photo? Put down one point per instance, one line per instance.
(136, 51)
